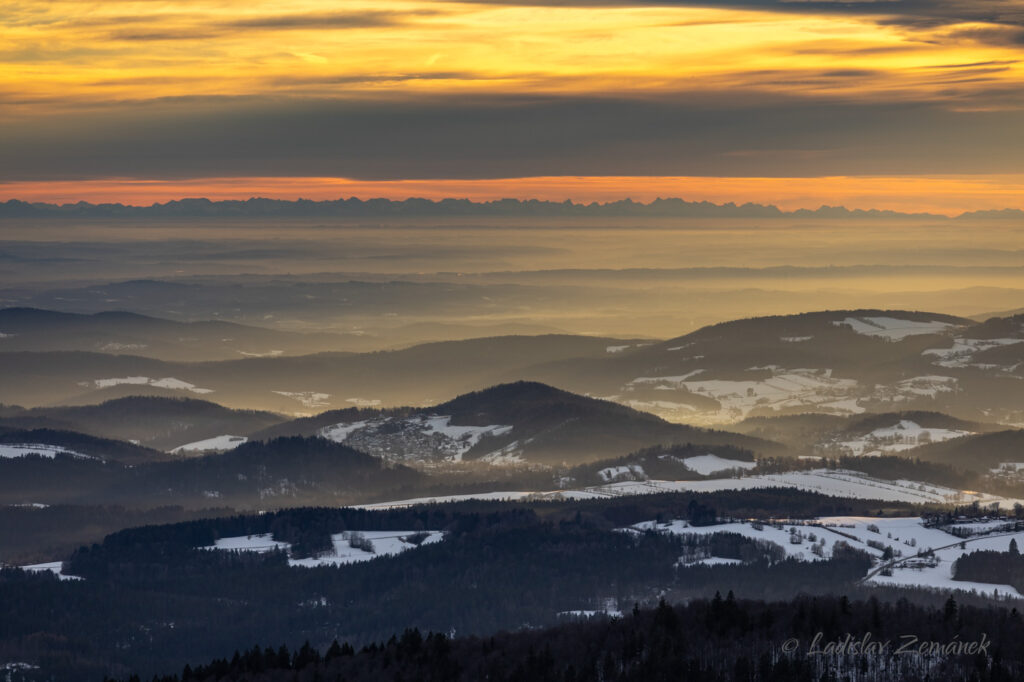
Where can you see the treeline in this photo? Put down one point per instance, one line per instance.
(717, 639)
(987, 566)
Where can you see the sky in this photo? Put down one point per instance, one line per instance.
(903, 104)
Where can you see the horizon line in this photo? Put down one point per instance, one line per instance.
(769, 209)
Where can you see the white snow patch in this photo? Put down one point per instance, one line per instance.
(363, 402)
(309, 399)
(384, 543)
(586, 613)
(664, 408)
(339, 432)
(616, 349)
(706, 465)
(927, 386)
(268, 354)
(795, 339)
(501, 496)
(679, 379)
(633, 471)
(18, 665)
(217, 443)
(786, 388)
(892, 328)
(107, 383)
(115, 347)
(902, 436)
(508, 455)
(249, 543)
(712, 561)
(962, 352)
(166, 382)
(12, 450)
(55, 567)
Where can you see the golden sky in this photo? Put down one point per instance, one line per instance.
(203, 94)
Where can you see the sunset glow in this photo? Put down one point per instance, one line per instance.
(859, 85)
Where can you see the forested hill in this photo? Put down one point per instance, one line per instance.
(531, 421)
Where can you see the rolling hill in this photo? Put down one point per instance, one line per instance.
(420, 375)
(842, 363)
(275, 473)
(160, 423)
(511, 423)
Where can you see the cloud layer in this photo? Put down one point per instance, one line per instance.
(510, 88)
(512, 136)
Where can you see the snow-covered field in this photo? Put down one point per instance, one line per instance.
(892, 328)
(54, 567)
(349, 547)
(632, 471)
(501, 496)
(250, 543)
(706, 465)
(12, 450)
(833, 482)
(431, 437)
(215, 444)
(167, 382)
(904, 435)
(962, 352)
(786, 388)
(1008, 471)
(927, 386)
(385, 543)
(906, 538)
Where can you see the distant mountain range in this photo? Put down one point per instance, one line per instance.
(257, 207)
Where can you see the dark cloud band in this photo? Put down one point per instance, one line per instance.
(512, 136)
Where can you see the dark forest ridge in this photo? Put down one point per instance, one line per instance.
(413, 207)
